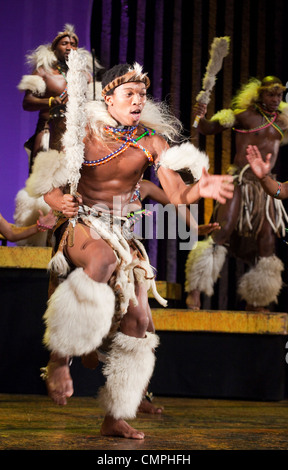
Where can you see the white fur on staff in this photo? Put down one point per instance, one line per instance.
(219, 50)
(75, 117)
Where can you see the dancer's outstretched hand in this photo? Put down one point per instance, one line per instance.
(218, 187)
(206, 229)
(259, 167)
(47, 220)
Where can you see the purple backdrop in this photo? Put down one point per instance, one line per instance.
(172, 42)
(25, 25)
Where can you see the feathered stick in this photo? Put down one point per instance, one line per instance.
(219, 50)
(94, 74)
(77, 85)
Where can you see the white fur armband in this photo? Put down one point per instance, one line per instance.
(185, 157)
(49, 172)
(225, 117)
(34, 83)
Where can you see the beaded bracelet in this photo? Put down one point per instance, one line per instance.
(50, 100)
(278, 190)
(42, 227)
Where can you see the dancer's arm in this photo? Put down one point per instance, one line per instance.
(13, 233)
(261, 169)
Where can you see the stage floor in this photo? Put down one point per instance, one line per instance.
(33, 422)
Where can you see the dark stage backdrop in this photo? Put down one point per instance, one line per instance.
(171, 38)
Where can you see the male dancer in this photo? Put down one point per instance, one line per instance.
(102, 304)
(258, 116)
(46, 90)
(46, 93)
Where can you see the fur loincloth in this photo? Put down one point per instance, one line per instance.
(256, 205)
(133, 262)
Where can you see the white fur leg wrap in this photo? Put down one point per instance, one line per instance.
(79, 315)
(261, 284)
(203, 266)
(128, 369)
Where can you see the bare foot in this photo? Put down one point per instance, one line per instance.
(58, 379)
(147, 407)
(193, 300)
(251, 308)
(119, 427)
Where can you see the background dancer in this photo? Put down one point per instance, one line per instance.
(46, 93)
(258, 116)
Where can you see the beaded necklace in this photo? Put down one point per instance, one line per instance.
(61, 72)
(269, 122)
(127, 136)
(64, 75)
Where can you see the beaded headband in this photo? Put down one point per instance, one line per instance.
(133, 75)
(271, 87)
(68, 31)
